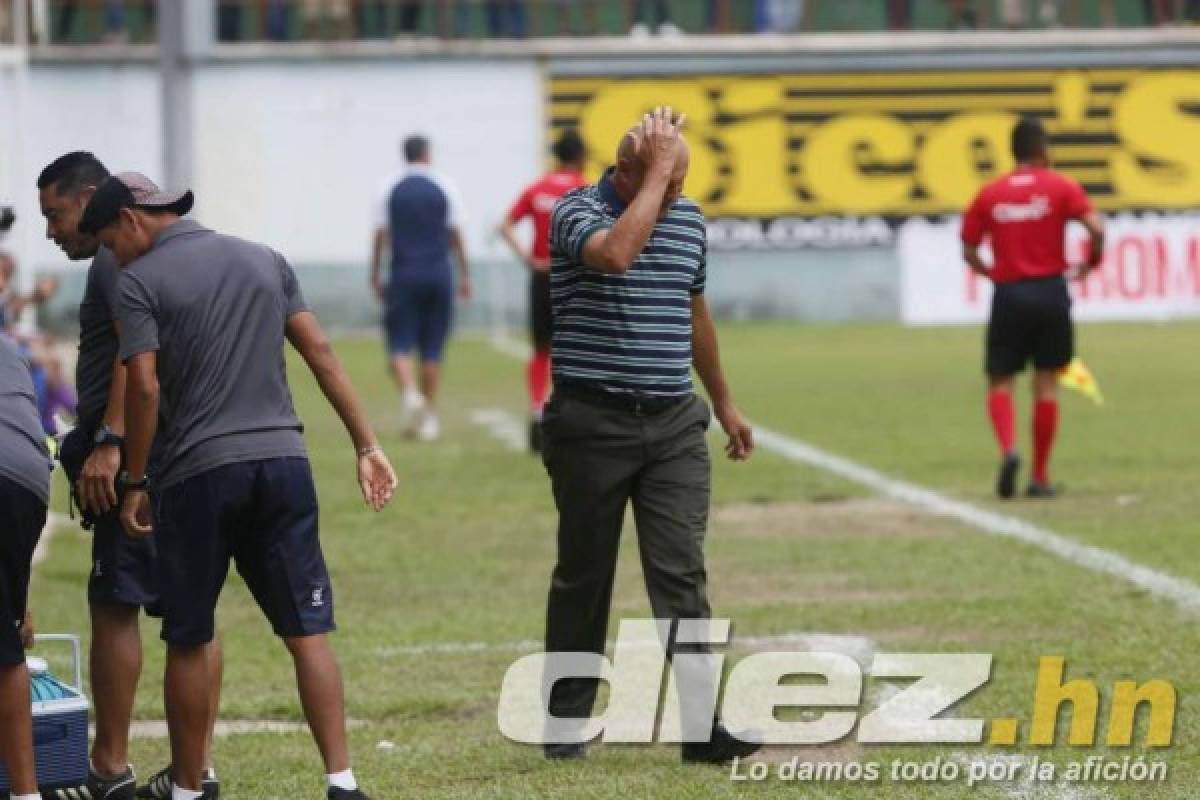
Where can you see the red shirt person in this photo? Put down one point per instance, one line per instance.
(537, 202)
(1024, 217)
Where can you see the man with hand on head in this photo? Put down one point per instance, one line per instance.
(623, 424)
(203, 319)
(24, 493)
(122, 581)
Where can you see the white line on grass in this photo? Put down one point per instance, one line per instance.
(501, 425)
(1182, 592)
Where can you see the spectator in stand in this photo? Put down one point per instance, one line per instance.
(899, 14)
(229, 20)
(410, 17)
(507, 18)
(565, 26)
(1158, 12)
(661, 21)
(962, 15)
(778, 16)
(115, 29)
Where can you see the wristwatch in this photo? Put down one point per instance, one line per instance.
(133, 486)
(106, 436)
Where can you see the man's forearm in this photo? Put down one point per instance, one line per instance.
(114, 412)
(974, 261)
(340, 393)
(377, 250)
(626, 239)
(707, 359)
(141, 421)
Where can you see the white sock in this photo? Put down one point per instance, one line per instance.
(343, 780)
(184, 794)
(34, 796)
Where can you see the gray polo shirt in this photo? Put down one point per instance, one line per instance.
(214, 308)
(24, 459)
(97, 339)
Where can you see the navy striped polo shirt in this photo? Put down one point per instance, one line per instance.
(629, 333)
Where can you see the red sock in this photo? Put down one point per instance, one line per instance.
(1045, 425)
(1000, 409)
(538, 375)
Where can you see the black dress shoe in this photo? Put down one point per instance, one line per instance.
(565, 752)
(722, 747)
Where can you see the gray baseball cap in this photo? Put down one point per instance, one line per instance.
(130, 190)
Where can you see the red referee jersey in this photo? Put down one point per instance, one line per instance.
(538, 201)
(1025, 215)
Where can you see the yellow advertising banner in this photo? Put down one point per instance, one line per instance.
(874, 147)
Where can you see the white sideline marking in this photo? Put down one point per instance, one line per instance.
(1183, 592)
(502, 425)
(860, 648)
(53, 521)
(511, 347)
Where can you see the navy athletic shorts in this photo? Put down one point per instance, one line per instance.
(262, 515)
(123, 568)
(420, 313)
(22, 517)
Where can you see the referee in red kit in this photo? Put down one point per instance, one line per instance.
(537, 201)
(1024, 215)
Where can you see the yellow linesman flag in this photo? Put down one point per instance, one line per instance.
(1077, 376)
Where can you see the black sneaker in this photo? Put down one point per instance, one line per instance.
(721, 748)
(98, 787)
(1042, 490)
(160, 783)
(336, 793)
(210, 785)
(1006, 479)
(565, 752)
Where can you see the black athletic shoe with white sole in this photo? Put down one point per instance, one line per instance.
(1042, 490)
(99, 787)
(336, 793)
(720, 749)
(159, 785)
(1006, 479)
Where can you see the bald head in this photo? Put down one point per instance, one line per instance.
(633, 158)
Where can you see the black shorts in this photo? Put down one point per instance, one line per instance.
(1030, 321)
(541, 318)
(123, 568)
(262, 515)
(22, 517)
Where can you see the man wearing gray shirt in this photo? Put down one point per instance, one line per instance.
(24, 492)
(204, 318)
(122, 579)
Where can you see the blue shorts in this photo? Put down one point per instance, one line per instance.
(419, 315)
(22, 517)
(262, 515)
(123, 568)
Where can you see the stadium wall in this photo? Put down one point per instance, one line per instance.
(292, 147)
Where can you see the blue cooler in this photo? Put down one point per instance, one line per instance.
(60, 723)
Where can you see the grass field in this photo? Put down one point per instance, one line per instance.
(464, 555)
